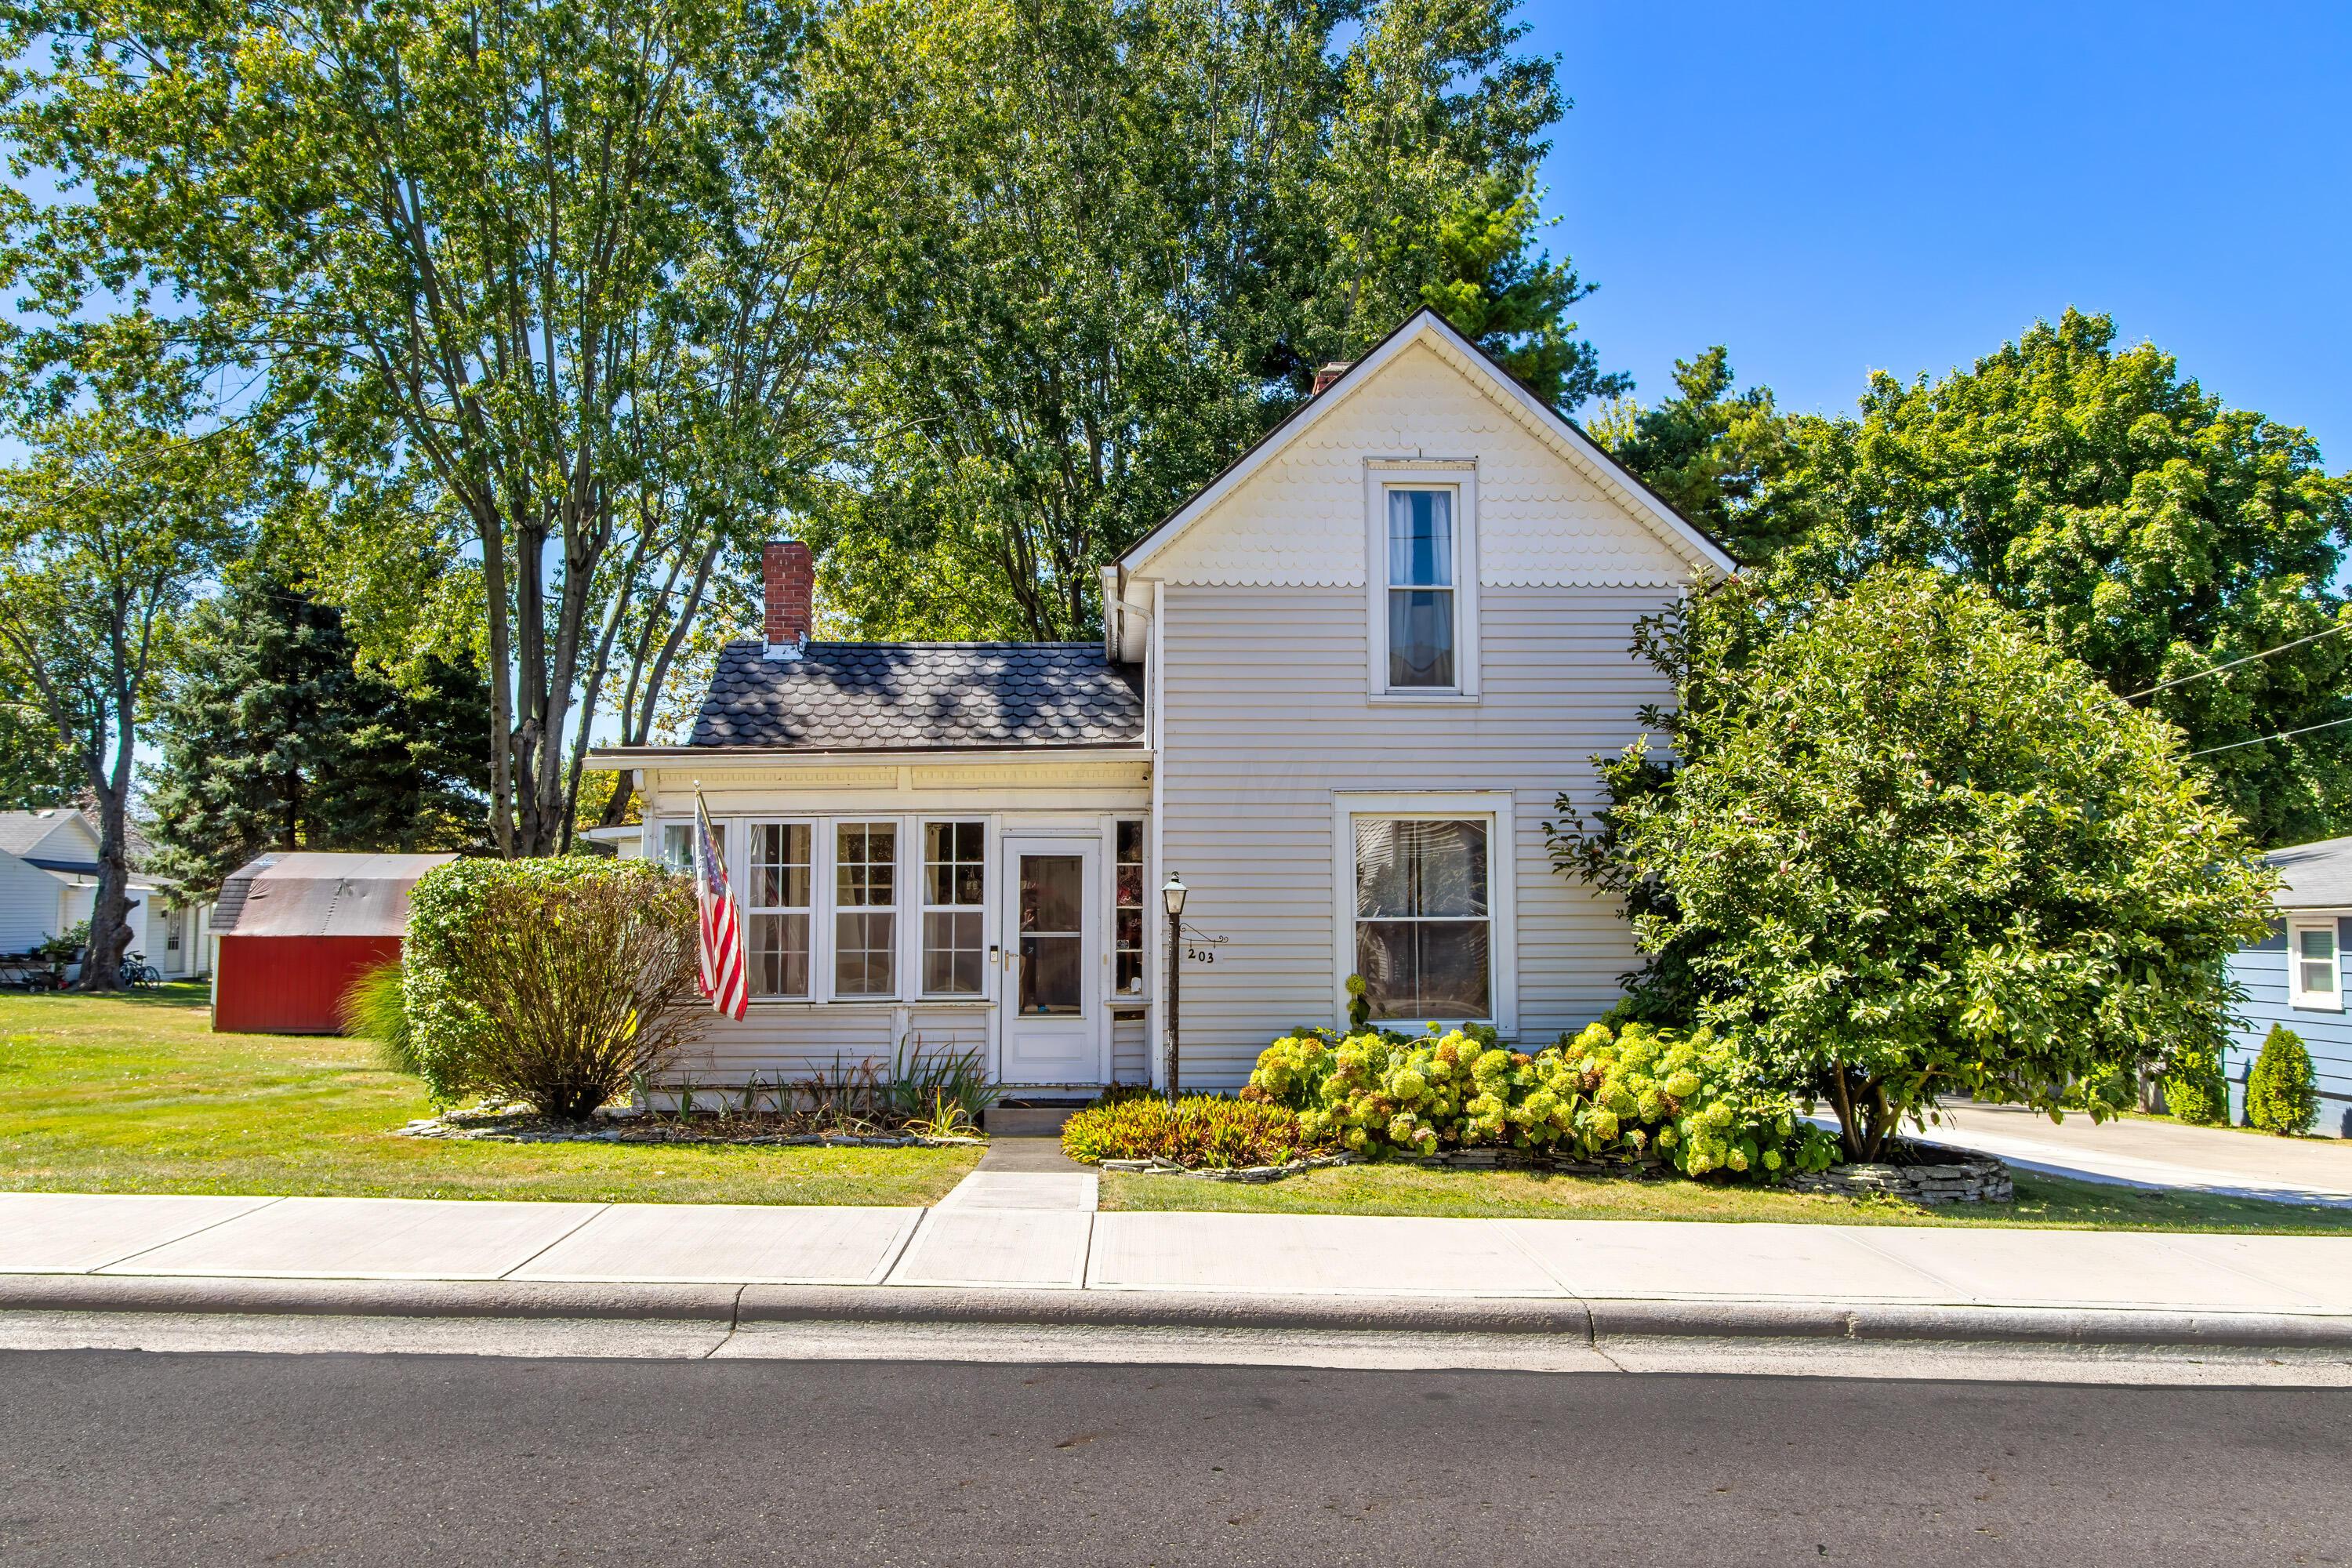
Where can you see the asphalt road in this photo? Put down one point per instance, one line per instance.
(121, 1457)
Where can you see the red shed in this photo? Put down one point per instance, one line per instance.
(297, 929)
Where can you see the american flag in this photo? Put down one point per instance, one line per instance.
(723, 978)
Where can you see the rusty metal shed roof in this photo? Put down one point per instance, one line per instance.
(312, 893)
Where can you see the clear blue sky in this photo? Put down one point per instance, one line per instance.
(1833, 189)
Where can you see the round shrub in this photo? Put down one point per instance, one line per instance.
(2281, 1096)
(1630, 1094)
(2196, 1089)
(1199, 1130)
(553, 982)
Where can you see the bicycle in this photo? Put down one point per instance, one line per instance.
(138, 975)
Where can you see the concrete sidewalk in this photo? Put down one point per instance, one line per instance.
(2142, 1153)
(1022, 1246)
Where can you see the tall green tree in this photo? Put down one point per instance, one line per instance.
(2145, 527)
(1511, 299)
(127, 505)
(471, 246)
(1714, 454)
(1908, 849)
(272, 738)
(1109, 242)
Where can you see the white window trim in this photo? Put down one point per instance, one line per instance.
(1493, 807)
(924, 908)
(2332, 999)
(1380, 475)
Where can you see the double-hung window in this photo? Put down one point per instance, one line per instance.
(955, 879)
(1424, 918)
(866, 916)
(2314, 965)
(778, 908)
(1423, 614)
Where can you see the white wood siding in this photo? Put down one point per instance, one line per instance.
(1130, 1048)
(1266, 717)
(29, 902)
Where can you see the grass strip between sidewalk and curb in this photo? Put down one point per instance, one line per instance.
(136, 1094)
(2043, 1201)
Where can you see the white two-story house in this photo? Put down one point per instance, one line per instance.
(1338, 693)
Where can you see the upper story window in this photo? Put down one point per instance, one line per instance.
(1423, 621)
(2316, 970)
(1422, 575)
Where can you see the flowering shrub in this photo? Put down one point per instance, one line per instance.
(1199, 1130)
(1633, 1094)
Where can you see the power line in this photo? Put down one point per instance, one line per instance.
(2282, 735)
(2183, 681)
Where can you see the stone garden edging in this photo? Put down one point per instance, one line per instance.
(1964, 1177)
(1253, 1174)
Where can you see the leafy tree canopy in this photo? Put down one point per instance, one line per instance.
(130, 500)
(1712, 453)
(1511, 299)
(2145, 527)
(272, 739)
(1911, 850)
(1106, 244)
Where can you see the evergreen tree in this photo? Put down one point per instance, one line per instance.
(274, 740)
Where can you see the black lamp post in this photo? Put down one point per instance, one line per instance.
(1172, 898)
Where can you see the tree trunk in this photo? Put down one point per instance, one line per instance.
(109, 924)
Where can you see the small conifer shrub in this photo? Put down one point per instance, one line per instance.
(2281, 1096)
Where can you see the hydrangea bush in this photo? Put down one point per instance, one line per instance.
(1628, 1095)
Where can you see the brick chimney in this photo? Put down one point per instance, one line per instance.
(788, 577)
(1329, 373)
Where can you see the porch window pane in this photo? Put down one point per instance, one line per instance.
(955, 867)
(1423, 936)
(777, 907)
(865, 921)
(1127, 912)
(780, 955)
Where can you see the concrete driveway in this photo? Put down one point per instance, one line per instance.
(2147, 1153)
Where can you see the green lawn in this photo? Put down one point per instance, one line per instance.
(137, 1094)
(2043, 1201)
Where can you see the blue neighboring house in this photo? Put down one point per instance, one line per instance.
(2295, 976)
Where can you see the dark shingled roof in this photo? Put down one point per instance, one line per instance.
(867, 697)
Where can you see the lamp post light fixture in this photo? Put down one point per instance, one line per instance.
(1172, 898)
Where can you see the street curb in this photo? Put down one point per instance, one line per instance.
(1595, 1320)
(366, 1298)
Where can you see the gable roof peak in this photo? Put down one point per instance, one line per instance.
(1425, 325)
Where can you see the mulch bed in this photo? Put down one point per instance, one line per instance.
(517, 1124)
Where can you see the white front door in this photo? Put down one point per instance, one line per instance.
(1053, 985)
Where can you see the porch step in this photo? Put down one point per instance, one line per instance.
(1025, 1121)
